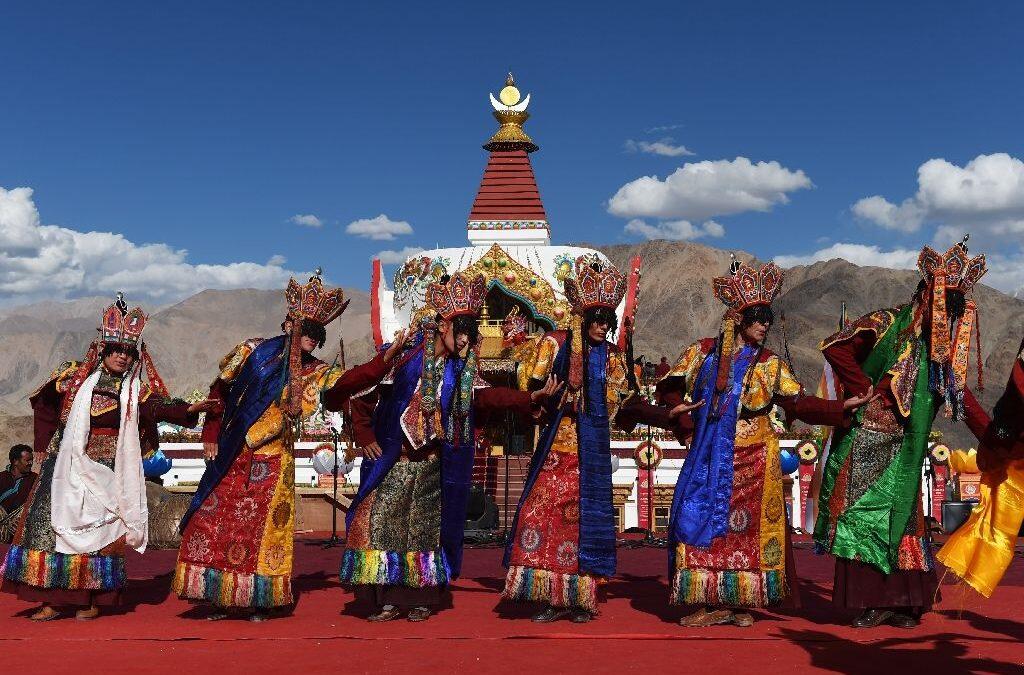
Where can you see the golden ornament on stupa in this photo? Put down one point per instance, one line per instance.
(510, 111)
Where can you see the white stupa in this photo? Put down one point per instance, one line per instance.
(509, 243)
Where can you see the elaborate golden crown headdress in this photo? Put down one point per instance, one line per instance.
(514, 327)
(746, 286)
(457, 295)
(121, 326)
(743, 287)
(949, 345)
(313, 301)
(596, 284)
(955, 267)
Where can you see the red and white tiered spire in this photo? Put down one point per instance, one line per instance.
(508, 209)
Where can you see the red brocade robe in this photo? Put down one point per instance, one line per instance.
(237, 549)
(550, 528)
(752, 564)
(33, 567)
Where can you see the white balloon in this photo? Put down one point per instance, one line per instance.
(323, 462)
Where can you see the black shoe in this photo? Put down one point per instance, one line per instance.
(871, 618)
(549, 614)
(580, 615)
(904, 620)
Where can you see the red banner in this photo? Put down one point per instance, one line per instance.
(643, 494)
(939, 491)
(806, 474)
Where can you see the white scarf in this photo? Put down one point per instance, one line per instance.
(92, 506)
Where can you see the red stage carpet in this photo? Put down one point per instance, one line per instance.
(636, 631)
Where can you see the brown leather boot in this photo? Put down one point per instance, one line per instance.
(87, 614)
(45, 613)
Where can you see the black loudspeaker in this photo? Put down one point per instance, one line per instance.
(481, 510)
(954, 514)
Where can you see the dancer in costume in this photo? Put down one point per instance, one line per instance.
(237, 535)
(405, 525)
(982, 549)
(563, 539)
(94, 419)
(870, 517)
(728, 537)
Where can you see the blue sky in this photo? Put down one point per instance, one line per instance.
(208, 126)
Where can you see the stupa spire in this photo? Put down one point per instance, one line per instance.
(510, 111)
(508, 208)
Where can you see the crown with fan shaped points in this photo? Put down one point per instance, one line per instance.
(746, 286)
(596, 284)
(514, 327)
(457, 295)
(961, 271)
(120, 325)
(314, 301)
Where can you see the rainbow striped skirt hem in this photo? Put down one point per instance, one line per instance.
(69, 571)
(231, 589)
(556, 589)
(729, 588)
(416, 569)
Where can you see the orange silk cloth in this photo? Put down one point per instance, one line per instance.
(982, 548)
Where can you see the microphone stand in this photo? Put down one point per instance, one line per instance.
(650, 540)
(334, 540)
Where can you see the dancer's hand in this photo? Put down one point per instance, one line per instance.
(210, 451)
(372, 451)
(684, 408)
(205, 406)
(855, 402)
(551, 387)
(396, 346)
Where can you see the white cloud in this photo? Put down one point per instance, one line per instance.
(308, 220)
(1005, 271)
(858, 254)
(662, 129)
(379, 228)
(907, 217)
(277, 260)
(397, 257)
(985, 195)
(47, 261)
(666, 147)
(675, 230)
(701, 190)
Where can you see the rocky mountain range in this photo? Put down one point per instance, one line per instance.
(676, 307)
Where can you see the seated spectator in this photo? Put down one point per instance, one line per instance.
(15, 484)
(663, 368)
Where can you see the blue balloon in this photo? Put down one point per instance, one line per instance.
(789, 461)
(156, 464)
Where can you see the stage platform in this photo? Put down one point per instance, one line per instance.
(636, 632)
